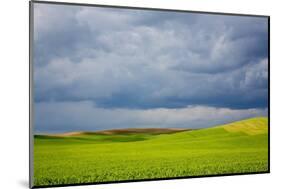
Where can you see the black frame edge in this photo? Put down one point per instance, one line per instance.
(269, 126)
(31, 33)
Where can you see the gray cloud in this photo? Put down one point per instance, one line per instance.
(86, 116)
(120, 59)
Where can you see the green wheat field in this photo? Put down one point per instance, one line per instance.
(134, 154)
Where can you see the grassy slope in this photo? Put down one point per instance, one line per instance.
(238, 147)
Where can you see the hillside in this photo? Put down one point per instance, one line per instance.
(253, 126)
(238, 147)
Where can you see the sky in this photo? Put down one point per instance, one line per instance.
(104, 68)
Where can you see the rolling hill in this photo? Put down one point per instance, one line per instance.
(133, 154)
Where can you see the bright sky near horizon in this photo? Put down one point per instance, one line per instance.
(104, 68)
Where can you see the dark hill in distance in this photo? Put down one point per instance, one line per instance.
(142, 130)
(250, 126)
(123, 131)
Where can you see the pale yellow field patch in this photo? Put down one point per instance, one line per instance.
(253, 126)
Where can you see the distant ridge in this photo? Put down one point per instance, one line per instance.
(143, 130)
(123, 131)
(251, 126)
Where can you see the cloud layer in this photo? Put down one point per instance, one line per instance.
(145, 61)
(86, 116)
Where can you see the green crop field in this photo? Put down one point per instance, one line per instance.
(238, 147)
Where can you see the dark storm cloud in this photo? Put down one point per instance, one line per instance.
(143, 60)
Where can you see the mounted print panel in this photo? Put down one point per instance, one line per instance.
(122, 94)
